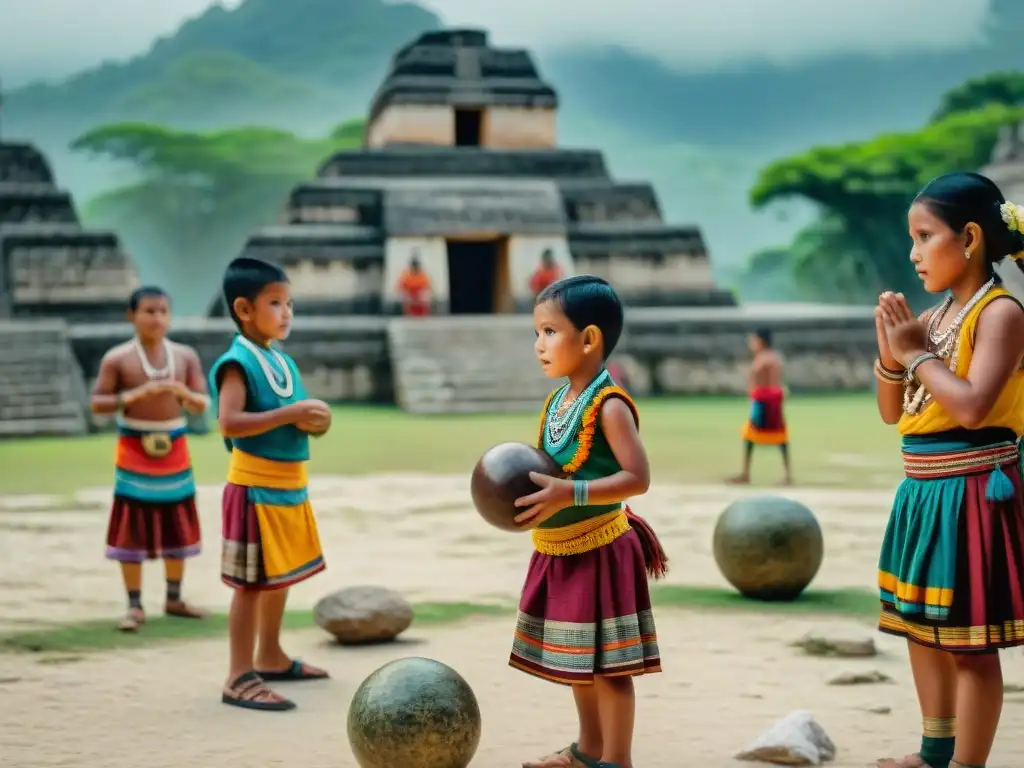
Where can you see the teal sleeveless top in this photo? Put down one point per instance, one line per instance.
(577, 444)
(272, 380)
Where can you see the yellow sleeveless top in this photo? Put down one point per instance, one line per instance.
(1009, 408)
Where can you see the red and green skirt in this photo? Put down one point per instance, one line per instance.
(951, 569)
(588, 614)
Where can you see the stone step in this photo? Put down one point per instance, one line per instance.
(51, 410)
(42, 426)
(467, 365)
(32, 372)
(55, 385)
(41, 400)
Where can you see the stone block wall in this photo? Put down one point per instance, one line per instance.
(669, 351)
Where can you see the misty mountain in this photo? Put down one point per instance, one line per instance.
(305, 66)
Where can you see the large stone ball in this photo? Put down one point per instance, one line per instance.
(768, 547)
(414, 713)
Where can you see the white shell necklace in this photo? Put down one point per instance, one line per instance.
(282, 384)
(167, 372)
(945, 344)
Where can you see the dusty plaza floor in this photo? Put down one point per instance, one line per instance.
(728, 673)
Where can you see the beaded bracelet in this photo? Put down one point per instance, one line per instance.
(580, 493)
(916, 363)
(887, 375)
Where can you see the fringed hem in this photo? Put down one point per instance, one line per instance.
(655, 559)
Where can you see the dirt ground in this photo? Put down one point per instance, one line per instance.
(415, 533)
(727, 676)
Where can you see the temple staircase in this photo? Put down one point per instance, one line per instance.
(42, 391)
(466, 364)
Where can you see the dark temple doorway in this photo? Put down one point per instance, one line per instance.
(476, 280)
(468, 127)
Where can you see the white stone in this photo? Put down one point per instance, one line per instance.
(796, 739)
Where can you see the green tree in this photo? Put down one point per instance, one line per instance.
(193, 198)
(862, 191)
(1006, 88)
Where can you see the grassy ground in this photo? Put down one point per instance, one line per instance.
(101, 635)
(837, 441)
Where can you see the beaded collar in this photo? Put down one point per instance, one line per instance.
(564, 417)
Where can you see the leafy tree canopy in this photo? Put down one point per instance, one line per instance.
(863, 190)
(195, 197)
(1006, 88)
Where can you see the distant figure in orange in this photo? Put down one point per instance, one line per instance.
(414, 287)
(547, 273)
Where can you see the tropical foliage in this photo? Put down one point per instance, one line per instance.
(858, 244)
(195, 197)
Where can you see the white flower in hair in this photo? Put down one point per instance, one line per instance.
(1013, 216)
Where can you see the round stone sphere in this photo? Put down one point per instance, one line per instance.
(414, 713)
(768, 547)
(503, 475)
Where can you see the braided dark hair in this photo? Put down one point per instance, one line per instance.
(960, 198)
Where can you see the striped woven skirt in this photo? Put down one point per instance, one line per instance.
(154, 513)
(588, 614)
(951, 569)
(270, 537)
(766, 424)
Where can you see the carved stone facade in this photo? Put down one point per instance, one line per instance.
(664, 352)
(50, 266)
(461, 170)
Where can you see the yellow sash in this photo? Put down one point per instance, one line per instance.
(255, 472)
(577, 538)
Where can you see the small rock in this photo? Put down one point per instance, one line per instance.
(357, 615)
(796, 739)
(880, 710)
(860, 678)
(844, 646)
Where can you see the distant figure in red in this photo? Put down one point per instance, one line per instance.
(767, 424)
(414, 288)
(547, 273)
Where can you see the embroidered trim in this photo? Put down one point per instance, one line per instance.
(923, 466)
(588, 424)
(584, 536)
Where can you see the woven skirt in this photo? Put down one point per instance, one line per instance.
(587, 614)
(951, 569)
(270, 538)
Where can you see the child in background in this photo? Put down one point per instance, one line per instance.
(150, 382)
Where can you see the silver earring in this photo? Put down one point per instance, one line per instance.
(967, 255)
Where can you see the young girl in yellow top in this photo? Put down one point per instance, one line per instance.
(951, 570)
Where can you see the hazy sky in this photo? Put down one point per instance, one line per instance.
(54, 37)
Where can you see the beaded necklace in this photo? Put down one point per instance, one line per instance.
(945, 344)
(281, 383)
(167, 372)
(564, 416)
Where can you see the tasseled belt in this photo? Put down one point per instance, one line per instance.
(969, 461)
(599, 531)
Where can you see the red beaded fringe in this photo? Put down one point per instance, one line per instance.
(654, 555)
